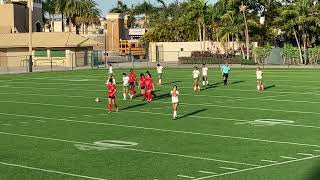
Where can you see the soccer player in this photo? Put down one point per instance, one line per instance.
(259, 73)
(175, 101)
(149, 87)
(112, 89)
(205, 75)
(132, 82)
(142, 85)
(160, 73)
(225, 70)
(125, 80)
(113, 79)
(196, 74)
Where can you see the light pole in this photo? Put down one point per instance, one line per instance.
(30, 36)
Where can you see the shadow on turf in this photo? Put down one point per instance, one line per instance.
(237, 82)
(315, 174)
(134, 106)
(211, 86)
(161, 96)
(269, 87)
(192, 113)
(173, 82)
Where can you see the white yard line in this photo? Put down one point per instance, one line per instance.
(229, 168)
(130, 149)
(49, 171)
(168, 130)
(305, 154)
(206, 104)
(269, 161)
(288, 157)
(260, 167)
(185, 176)
(316, 150)
(207, 172)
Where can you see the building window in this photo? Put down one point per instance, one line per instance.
(40, 53)
(58, 53)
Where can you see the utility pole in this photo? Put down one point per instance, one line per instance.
(30, 36)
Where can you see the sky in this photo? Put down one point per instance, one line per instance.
(106, 5)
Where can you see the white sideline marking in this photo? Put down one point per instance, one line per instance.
(87, 115)
(305, 126)
(267, 122)
(270, 161)
(207, 172)
(129, 149)
(49, 171)
(72, 117)
(305, 154)
(78, 80)
(232, 107)
(229, 168)
(238, 98)
(184, 176)
(317, 150)
(23, 122)
(6, 124)
(260, 167)
(166, 130)
(288, 157)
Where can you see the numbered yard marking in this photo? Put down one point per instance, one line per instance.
(105, 145)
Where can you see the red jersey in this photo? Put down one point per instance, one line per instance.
(149, 83)
(143, 82)
(132, 77)
(112, 89)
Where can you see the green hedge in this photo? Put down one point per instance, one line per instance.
(215, 60)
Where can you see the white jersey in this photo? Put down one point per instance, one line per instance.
(125, 80)
(196, 73)
(110, 70)
(159, 69)
(205, 71)
(259, 74)
(175, 96)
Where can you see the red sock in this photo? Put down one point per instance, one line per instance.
(145, 96)
(110, 107)
(132, 91)
(149, 96)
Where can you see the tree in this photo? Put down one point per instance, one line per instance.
(243, 10)
(90, 15)
(48, 7)
(146, 9)
(59, 6)
(120, 8)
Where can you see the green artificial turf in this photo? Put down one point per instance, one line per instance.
(52, 128)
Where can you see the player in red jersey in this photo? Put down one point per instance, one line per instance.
(149, 87)
(142, 84)
(132, 82)
(112, 89)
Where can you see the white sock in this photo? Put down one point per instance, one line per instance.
(194, 88)
(174, 114)
(207, 82)
(199, 87)
(203, 83)
(124, 96)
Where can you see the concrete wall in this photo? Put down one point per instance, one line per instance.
(3, 58)
(16, 57)
(171, 51)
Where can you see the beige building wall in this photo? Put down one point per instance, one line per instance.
(7, 20)
(3, 58)
(16, 57)
(171, 51)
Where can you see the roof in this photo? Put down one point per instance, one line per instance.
(46, 40)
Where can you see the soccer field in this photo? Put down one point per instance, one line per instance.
(52, 128)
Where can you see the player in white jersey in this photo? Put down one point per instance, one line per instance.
(205, 75)
(160, 73)
(259, 74)
(175, 101)
(196, 76)
(110, 70)
(125, 80)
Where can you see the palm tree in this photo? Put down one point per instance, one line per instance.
(146, 9)
(243, 10)
(48, 7)
(120, 8)
(90, 14)
(59, 6)
(72, 9)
